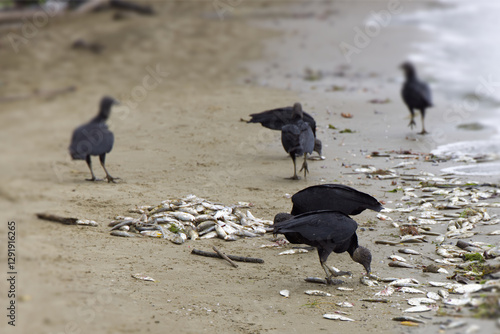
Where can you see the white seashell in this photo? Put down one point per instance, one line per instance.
(331, 316)
(285, 293)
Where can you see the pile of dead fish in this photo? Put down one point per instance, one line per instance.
(191, 217)
(438, 213)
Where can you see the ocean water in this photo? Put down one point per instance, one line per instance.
(462, 59)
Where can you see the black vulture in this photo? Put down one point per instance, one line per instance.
(275, 119)
(328, 231)
(416, 94)
(334, 197)
(94, 138)
(297, 139)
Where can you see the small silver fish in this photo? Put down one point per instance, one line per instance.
(294, 251)
(420, 308)
(317, 293)
(125, 234)
(331, 316)
(143, 277)
(408, 251)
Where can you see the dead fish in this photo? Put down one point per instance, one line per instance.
(406, 318)
(179, 238)
(368, 282)
(469, 288)
(420, 308)
(318, 280)
(344, 304)
(202, 218)
(189, 210)
(143, 277)
(86, 222)
(152, 233)
(343, 288)
(438, 284)
(496, 232)
(387, 242)
(331, 316)
(184, 216)
(405, 282)
(408, 251)
(399, 264)
(383, 217)
(209, 235)
(410, 290)
(191, 233)
(205, 225)
(456, 302)
(220, 231)
(285, 293)
(412, 238)
(125, 234)
(231, 237)
(433, 295)
(419, 301)
(375, 300)
(397, 258)
(294, 251)
(317, 293)
(385, 292)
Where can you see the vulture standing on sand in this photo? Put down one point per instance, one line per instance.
(275, 119)
(328, 231)
(297, 139)
(94, 138)
(416, 94)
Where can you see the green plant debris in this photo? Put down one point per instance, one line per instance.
(474, 257)
(395, 190)
(330, 126)
(347, 131)
(489, 309)
(468, 212)
(174, 229)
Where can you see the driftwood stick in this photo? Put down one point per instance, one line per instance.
(232, 257)
(224, 256)
(57, 219)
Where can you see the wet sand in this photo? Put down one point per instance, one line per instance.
(184, 136)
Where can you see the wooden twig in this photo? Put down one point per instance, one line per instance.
(57, 219)
(232, 257)
(224, 256)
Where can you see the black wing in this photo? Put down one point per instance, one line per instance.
(306, 138)
(91, 139)
(275, 119)
(336, 197)
(319, 225)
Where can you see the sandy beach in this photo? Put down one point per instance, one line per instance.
(185, 79)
